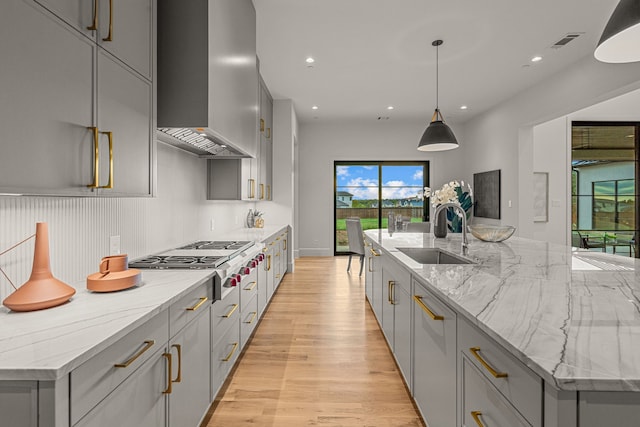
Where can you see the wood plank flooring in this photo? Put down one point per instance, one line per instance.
(318, 358)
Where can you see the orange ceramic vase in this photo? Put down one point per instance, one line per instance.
(42, 290)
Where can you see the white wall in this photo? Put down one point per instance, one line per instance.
(502, 138)
(79, 228)
(320, 144)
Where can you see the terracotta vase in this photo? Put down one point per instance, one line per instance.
(42, 290)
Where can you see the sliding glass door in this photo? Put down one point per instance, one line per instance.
(371, 190)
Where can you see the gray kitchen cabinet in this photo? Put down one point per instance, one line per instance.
(124, 28)
(225, 337)
(263, 298)
(434, 358)
(232, 179)
(19, 403)
(482, 405)
(191, 382)
(59, 86)
(125, 109)
(248, 304)
(374, 277)
(266, 143)
(396, 314)
(47, 93)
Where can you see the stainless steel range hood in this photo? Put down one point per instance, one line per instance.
(207, 77)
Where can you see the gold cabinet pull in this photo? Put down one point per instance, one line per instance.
(94, 24)
(476, 417)
(255, 314)
(261, 191)
(268, 133)
(169, 373)
(109, 37)
(285, 245)
(268, 262)
(374, 253)
(369, 266)
(198, 304)
(476, 352)
(251, 286)
(252, 188)
(96, 157)
(418, 300)
(230, 355)
(235, 307)
(178, 347)
(110, 137)
(261, 125)
(148, 345)
(391, 285)
(268, 192)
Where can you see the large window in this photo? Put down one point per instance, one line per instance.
(605, 169)
(371, 190)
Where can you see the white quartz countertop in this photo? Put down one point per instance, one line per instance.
(255, 234)
(572, 316)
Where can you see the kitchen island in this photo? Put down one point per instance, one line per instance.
(572, 318)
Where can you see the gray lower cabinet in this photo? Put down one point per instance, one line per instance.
(434, 358)
(19, 403)
(225, 337)
(482, 405)
(374, 275)
(263, 298)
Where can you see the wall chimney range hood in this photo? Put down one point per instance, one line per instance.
(207, 103)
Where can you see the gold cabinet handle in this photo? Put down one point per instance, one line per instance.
(251, 286)
(418, 300)
(255, 314)
(285, 245)
(94, 24)
(261, 191)
(374, 253)
(109, 37)
(268, 133)
(197, 306)
(96, 156)
(391, 285)
(148, 345)
(230, 355)
(178, 347)
(476, 352)
(169, 373)
(268, 192)
(261, 125)
(268, 262)
(476, 417)
(110, 183)
(369, 266)
(235, 307)
(252, 188)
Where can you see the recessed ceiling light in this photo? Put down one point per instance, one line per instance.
(223, 146)
(463, 107)
(536, 59)
(390, 107)
(310, 60)
(315, 107)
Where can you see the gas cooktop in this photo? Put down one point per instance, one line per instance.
(163, 261)
(218, 244)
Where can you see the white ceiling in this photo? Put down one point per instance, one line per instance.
(374, 53)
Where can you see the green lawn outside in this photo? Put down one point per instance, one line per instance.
(368, 223)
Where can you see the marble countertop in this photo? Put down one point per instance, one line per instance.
(48, 344)
(572, 316)
(256, 234)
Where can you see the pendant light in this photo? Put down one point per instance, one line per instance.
(438, 136)
(620, 41)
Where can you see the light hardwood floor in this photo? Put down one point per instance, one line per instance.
(318, 358)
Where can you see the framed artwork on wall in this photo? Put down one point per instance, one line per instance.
(486, 189)
(540, 197)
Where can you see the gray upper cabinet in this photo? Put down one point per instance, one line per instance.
(59, 85)
(122, 27)
(266, 143)
(46, 83)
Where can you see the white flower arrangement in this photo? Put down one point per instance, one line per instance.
(449, 193)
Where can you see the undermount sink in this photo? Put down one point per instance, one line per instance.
(433, 256)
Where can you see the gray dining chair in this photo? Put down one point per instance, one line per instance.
(356, 241)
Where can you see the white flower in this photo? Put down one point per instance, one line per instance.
(448, 193)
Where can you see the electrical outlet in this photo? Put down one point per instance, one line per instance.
(236, 219)
(114, 245)
(509, 203)
(213, 224)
